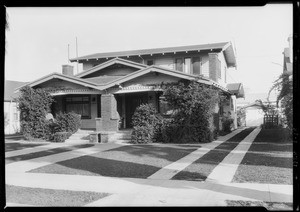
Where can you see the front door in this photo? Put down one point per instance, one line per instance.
(132, 102)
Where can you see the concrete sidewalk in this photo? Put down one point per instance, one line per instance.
(132, 191)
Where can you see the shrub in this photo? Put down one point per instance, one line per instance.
(144, 122)
(34, 105)
(61, 136)
(193, 121)
(68, 122)
(227, 123)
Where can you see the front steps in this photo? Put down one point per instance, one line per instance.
(83, 136)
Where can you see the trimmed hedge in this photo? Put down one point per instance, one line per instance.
(61, 136)
(68, 122)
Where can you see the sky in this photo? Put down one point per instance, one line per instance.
(37, 39)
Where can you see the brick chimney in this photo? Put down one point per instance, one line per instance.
(67, 70)
(214, 66)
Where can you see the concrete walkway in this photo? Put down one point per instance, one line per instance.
(157, 190)
(225, 170)
(171, 170)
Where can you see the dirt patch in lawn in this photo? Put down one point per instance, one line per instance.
(201, 168)
(44, 153)
(18, 146)
(135, 161)
(267, 205)
(268, 160)
(50, 197)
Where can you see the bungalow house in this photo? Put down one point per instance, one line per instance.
(111, 85)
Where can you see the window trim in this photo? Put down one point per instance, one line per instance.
(65, 102)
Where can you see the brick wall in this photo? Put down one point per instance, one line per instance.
(109, 116)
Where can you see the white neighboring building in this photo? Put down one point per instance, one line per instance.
(11, 113)
(254, 114)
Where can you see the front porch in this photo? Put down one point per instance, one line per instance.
(104, 112)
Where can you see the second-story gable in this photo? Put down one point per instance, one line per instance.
(209, 60)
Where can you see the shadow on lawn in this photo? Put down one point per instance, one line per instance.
(44, 153)
(89, 165)
(18, 146)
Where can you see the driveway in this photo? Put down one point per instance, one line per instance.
(144, 175)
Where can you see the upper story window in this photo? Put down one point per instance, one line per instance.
(219, 70)
(150, 62)
(189, 65)
(179, 64)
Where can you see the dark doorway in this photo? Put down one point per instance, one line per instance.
(132, 101)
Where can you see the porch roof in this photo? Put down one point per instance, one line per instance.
(56, 75)
(236, 89)
(158, 69)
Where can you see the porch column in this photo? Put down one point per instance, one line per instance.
(109, 116)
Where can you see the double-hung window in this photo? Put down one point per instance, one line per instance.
(189, 65)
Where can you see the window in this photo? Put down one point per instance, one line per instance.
(150, 62)
(80, 105)
(219, 69)
(179, 64)
(187, 65)
(196, 66)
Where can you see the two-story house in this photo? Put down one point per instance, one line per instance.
(111, 85)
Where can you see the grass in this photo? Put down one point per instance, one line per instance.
(18, 146)
(201, 168)
(268, 160)
(135, 161)
(44, 153)
(50, 197)
(267, 205)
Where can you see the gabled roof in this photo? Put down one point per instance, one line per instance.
(10, 86)
(215, 46)
(161, 70)
(102, 79)
(109, 63)
(236, 89)
(55, 75)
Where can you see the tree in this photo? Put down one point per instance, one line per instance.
(285, 86)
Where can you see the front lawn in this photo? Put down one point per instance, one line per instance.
(134, 161)
(268, 205)
(50, 197)
(201, 168)
(268, 160)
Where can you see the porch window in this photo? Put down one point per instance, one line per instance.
(80, 105)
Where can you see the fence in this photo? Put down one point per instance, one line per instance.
(270, 121)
